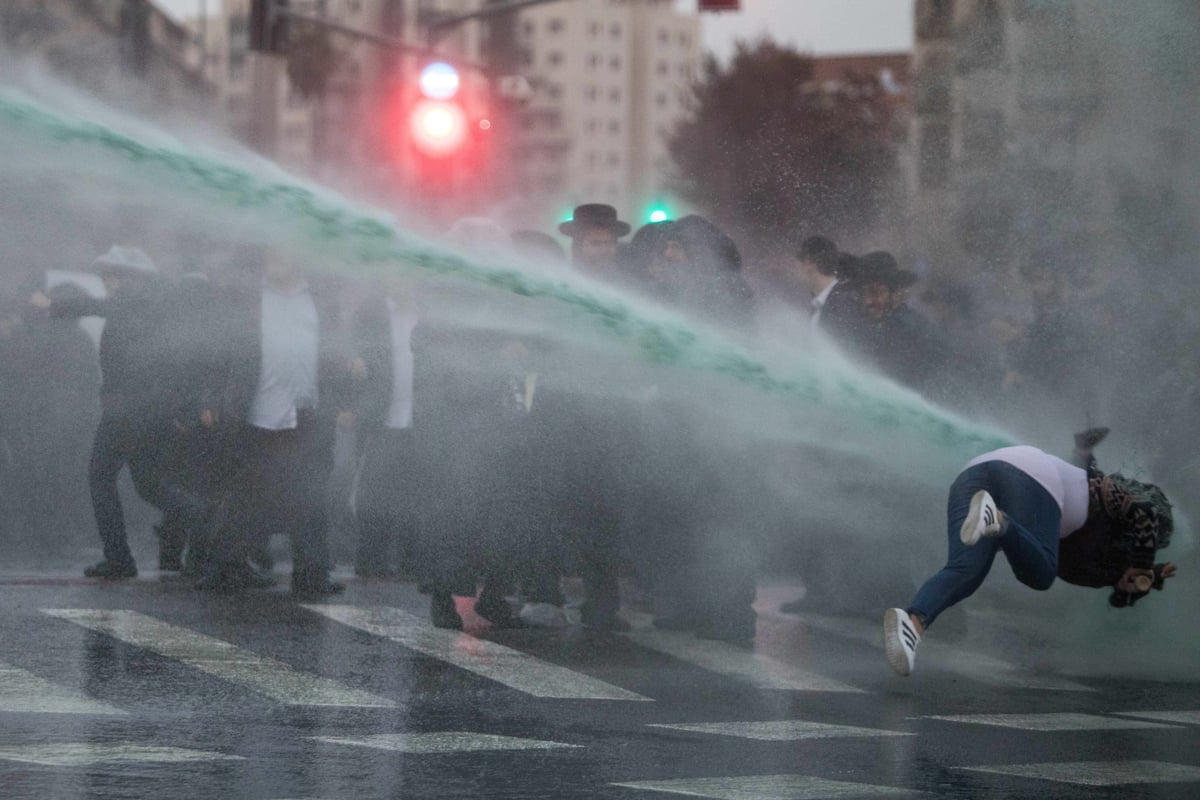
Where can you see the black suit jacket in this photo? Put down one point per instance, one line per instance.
(842, 317)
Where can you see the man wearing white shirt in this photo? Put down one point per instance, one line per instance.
(288, 387)
(836, 308)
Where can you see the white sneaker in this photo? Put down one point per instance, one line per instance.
(543, 615)
(983, 519)
(900, 640)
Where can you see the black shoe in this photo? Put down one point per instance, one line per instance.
(112, 570)
(223, 579)
(442, 612)
(233, 577)
(312, 589)
(497, 611)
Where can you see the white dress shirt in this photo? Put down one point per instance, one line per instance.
(818, 303)
(287, 379)
(400, 412)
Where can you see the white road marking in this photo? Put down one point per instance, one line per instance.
(756, 669)
(490, 660)
(767, 787)
(947, 656)
(443, 742)
(1181, 717)
(788, 730)
(23, 692)
(82, 754)
(1052, 722)
(1098, 773)
(221, 659)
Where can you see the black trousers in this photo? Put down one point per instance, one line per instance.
(389, 490)
(133, 436)
(279, 482)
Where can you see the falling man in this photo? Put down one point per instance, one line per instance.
(1050, 518)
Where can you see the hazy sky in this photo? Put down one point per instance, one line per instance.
(819, 26)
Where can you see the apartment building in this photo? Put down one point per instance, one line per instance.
(610, 80)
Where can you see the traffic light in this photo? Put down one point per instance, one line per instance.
(438, 127)
(437, 123)
(268, 27)
(658, 212)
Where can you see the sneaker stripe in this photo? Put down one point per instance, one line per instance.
(988, 516)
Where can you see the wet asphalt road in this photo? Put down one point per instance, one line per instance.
(148, 689)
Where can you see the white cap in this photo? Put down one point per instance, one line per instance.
(120, 257)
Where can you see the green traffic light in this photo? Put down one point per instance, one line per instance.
(658, 215)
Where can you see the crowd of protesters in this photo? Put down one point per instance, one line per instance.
(480, 472)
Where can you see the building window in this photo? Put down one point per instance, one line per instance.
(614, 30)
(591, 125)
(614, 63)
(555, 58)
(554, 91)
(663, 36)
(614, 94)
(355, 6)
(593, 29)
(528, 28)
(594, 60)
(685, 40)
(684, 71)
(661, 68)
(613, 159)
(592, 158)
(614, 126)
(591, 93)
(556, 25)
(660, 99)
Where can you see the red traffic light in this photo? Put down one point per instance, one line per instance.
(438, 127)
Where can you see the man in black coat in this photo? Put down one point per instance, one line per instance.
(389, 484)
(135, 426)
(287, 387)
(836, 307)
(900, 342)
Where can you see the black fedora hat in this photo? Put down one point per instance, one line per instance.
(593, 215)
(881, 267)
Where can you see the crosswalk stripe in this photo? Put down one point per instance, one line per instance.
(757, 669)
(493, 661)
(442, 742)
(1098, 773)
(1181, 717)
(23, 692)
(788, 730)
(767, 787)
(221, 659)
(1052, 722)
(82, 754)
(976, 666)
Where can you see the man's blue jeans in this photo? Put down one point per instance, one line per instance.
(1030, 542)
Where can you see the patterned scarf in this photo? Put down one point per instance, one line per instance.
(1140, 513)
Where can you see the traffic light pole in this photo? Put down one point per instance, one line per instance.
(439, 25)
(389, 42)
